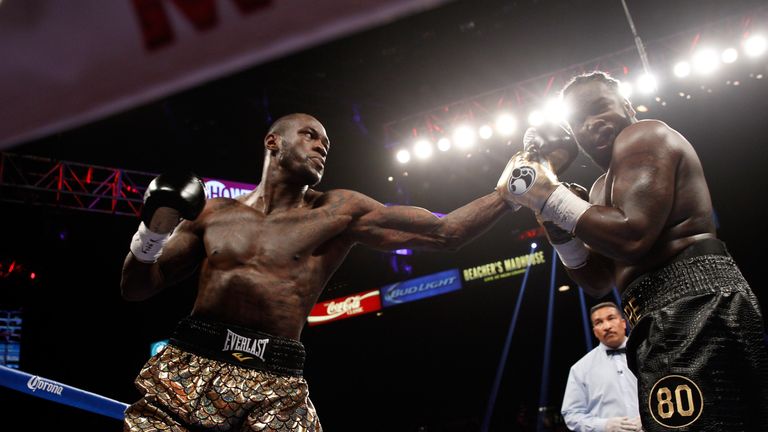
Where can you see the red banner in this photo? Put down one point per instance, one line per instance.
(345, 307)
(67, 63)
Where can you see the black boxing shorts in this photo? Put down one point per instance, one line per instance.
(220, 377)
(697, 345)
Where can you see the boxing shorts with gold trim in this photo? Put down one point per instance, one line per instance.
(220, 377)
(697, 345)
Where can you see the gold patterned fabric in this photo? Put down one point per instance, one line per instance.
(183, 391)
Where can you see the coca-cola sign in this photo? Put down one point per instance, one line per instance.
(345, 307)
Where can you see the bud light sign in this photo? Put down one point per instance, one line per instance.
(419, 288)
(226, 189)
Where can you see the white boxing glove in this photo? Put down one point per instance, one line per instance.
(553, 143)
(527, 182)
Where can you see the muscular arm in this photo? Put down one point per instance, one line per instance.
(596, 277)
(394, 227)
(642, 176)
(180, 257)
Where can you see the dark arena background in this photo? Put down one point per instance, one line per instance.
(195, 84)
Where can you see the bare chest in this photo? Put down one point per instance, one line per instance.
(245, 236)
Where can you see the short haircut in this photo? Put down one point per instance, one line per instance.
(280, 125)
(590, 77)
(604, 305)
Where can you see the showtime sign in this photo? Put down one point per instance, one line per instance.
(216, 188)
(345, 307)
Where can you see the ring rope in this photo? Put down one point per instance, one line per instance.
(61, 393)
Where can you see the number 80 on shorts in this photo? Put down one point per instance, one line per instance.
(675, 401)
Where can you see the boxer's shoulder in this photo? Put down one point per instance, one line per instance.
(215, 207)
(219, 204)
(645, 132)
(342, 197)
(651, 137)
(345, 202)
(649, 124)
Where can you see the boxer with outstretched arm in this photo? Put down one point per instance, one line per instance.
(697, 345)
(263, 260)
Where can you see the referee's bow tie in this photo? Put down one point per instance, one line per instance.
(616, 351)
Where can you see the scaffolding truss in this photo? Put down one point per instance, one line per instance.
(34, 180)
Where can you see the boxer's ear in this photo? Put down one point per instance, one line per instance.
(272, 142)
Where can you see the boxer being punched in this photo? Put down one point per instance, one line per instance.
(236, 363)
(697, 345)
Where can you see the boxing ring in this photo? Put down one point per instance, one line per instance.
(54, 391)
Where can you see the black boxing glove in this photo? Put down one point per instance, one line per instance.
(553, 143)
(572, 251)
(183, 192)
(168, 198)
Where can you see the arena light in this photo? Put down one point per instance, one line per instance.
(625, 89)
(755, 45)
(422, 149)
(464, 137)
(443, 144)
(536, 118)
(647, 83)
(729, 55)
(555, 110)
(506, 124)
(485, 132)
(682, 69)
(403, 156)
(705, 61)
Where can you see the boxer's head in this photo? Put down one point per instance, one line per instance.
(298, 144)
(608, 324)
(597, 113)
